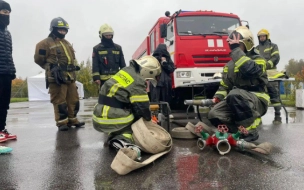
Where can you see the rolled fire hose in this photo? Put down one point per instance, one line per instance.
(151, 138)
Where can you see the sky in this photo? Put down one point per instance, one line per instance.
(132, 20)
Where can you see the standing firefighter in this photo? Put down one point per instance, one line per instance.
(107, 56)
(241, 98)
(270, 52)
(56, 55)
(123, 100)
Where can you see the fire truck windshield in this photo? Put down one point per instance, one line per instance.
(206, 25)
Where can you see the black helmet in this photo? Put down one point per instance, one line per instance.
(59, 23)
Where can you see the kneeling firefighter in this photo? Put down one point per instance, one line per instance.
(123, 100)
(242, 97)
(56, 56)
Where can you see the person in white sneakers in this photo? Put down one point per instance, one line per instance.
(7, 68)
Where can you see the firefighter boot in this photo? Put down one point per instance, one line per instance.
(277, 116)
(63, 128)
(253, 133)
(76, 123)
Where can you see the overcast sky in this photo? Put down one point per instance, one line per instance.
(132, 20)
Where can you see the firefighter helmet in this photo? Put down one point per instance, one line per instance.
(264, 32)
(106, 29)
(149, 67)
(59, 23)
(246, 37)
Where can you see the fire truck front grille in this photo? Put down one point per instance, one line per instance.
(201, 59)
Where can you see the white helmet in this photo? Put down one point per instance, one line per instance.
(149, 67)
(105, 29)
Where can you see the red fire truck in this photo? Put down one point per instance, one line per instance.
(196, 41)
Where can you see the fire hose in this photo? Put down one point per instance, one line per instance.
(151, 138)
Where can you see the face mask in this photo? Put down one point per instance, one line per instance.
(58, 35)
(4, 20)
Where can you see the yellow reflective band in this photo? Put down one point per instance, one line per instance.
(261, 62)
(262, 95)
(127, 135)
(60, 23)
(139, 98)
(271, 63)
(115, 52)
(240, 62)
(105, 77)
(95, 74)
(123, 78)
(277, 76)
(121, 120)
(276, 104)
(113, 89)
(255, 124)
(224, 93)
(268, 49)
(66, 52)
(223, 84)
(275, 52)
(102, 52)
(105, 111)
(225, 69)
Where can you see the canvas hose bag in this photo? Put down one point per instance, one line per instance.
(151, 138)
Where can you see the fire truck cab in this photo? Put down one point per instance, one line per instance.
(196, 41)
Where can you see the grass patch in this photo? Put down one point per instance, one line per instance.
(287, 100)
(19, 100)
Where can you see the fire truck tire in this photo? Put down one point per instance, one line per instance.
(182, 133)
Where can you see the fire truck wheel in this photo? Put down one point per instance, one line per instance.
(182, 133)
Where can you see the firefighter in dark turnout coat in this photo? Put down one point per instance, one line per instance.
(107, 56)
(270, 52)
(242, 97)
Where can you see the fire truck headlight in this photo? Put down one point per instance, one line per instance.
(183, 74)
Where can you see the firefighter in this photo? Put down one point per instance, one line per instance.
(241, 99)
(163, 89)
(107, 56)
(56, 56)
(123, 100)
(270, 52)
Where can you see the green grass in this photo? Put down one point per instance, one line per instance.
(287, 101)
(19, 100)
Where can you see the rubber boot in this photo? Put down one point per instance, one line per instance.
(79, 125)
(63, 128)
(277, 116)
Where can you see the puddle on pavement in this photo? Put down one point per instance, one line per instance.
(18, 113)
(19, 107)
(264, 159)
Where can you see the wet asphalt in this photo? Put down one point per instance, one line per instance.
(43, 158)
